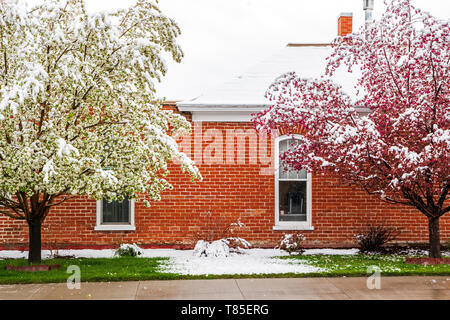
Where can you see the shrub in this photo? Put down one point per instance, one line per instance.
(217, 238)
(373, 238)
(128, 250)
(218, 227)
(236, 244)
(220, 248)
(292, 243)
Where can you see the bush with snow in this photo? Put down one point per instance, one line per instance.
(218, 227)
(236, 244)
(128, 250)
(292, 243)
(200, 248)
(220, 248)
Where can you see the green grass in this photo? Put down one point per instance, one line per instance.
(136, 269)
(357, 265)
(116, 269)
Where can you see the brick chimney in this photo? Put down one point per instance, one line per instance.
(345, 24)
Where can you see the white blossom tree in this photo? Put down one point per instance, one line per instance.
(78, 108)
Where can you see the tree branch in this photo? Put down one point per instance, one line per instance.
(392, 74)
(9, 214)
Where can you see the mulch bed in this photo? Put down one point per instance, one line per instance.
(33, 268)
(427, 261)
(63, 257)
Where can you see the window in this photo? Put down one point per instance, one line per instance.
(292, 192)
(115, 216)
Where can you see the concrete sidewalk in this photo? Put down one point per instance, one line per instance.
(410, 288)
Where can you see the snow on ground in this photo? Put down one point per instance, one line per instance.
(235, 264)
(332, 251)
(164, 253)
(252, 261)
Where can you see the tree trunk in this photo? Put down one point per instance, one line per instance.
(34, 231)
(434, 236)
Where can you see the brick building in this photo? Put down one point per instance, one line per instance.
(242, 181)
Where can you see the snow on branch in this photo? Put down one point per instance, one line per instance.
(78, 107)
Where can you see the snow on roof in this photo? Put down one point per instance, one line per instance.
(249, 88)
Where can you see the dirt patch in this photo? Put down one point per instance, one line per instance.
(427, 261)
(64, 257)
(33, 268)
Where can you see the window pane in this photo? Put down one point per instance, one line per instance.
(292, 204)
(289, 173)
(116, 212)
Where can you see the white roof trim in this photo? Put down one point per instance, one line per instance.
(345, 14)
(220, 107)
(222, 116)
(236, 114)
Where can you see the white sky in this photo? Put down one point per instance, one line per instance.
(222, 38)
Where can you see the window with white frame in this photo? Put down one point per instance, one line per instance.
(115, 216)
(292, 191)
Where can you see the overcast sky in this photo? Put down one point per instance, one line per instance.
(222, 38)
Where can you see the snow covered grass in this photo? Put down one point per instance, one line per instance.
(251, 261)
(357, 265)
(101, 265)
(184, 262)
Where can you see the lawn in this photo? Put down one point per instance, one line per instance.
(99, 269)
(357, 265)
(135, 269)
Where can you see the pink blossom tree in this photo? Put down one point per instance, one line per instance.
(399, 150)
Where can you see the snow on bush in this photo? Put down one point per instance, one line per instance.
(79, 111)
(292, 243)
(128, 250)
(236, 244)
(220, 248)
(200, 248)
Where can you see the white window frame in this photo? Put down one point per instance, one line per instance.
(114, 226)
(291, 225)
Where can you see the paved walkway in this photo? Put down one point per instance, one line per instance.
(410, 288)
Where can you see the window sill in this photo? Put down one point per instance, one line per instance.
(115, 228)
(293, 227)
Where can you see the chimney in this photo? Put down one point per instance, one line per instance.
(345, 24)
(368, 6)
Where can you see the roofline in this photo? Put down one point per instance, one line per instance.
(213, 104)
(212, 107)
(236, 107)
(308, 44)
(345, 14)
(171, 102)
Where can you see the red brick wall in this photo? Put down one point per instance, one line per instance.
(227, 192)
